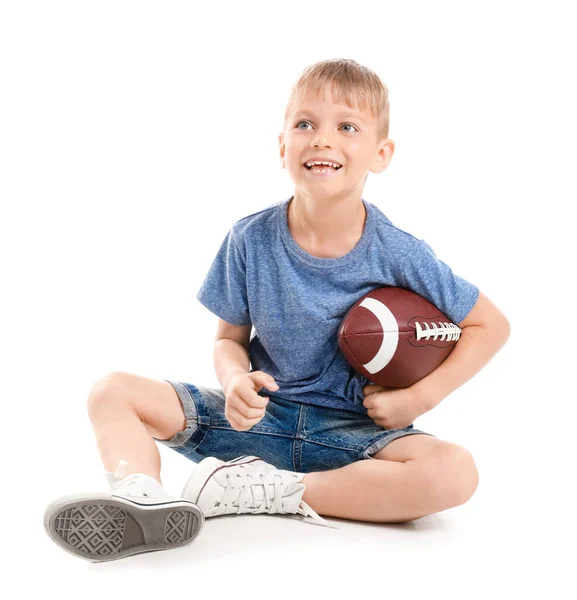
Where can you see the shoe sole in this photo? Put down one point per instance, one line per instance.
(101, 527)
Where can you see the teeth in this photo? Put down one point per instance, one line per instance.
(324, 162)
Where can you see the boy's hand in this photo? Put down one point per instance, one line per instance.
(244, 407)
(392, 408)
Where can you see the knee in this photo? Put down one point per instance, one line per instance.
(111, 388)
(453, 476)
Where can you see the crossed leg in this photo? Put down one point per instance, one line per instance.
(413, 476)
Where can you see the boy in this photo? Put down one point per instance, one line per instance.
(319, 440)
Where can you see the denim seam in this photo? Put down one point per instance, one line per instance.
(263, 430)
(297, 441)
(357, 448)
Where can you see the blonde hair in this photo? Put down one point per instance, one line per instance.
(351, 83)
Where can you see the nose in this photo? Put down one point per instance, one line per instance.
(321, 139)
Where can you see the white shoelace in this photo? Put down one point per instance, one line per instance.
(239, 497)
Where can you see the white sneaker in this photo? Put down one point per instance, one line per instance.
(247, 484)
(137, 516)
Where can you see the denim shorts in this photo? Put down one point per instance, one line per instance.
(291, 435)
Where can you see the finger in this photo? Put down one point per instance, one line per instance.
(263, 379)
(246, 410)
(373, 387)
(240, 420)
(251, 398)
(233, 422)
(373, 413)
(231, 414)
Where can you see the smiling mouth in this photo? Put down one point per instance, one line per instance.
(324, 167)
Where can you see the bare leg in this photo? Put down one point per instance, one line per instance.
(121, 434)
(128, 412)
(377, 490)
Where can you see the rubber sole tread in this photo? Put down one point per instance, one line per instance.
(101, 528)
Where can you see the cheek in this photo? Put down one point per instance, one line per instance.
(292, 160)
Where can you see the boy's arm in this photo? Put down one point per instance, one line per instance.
(230, 358)
(484, 333)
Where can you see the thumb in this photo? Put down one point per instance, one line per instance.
(267, 381)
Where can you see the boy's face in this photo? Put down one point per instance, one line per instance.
(320, 128)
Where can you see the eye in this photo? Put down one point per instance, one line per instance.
(349, 124)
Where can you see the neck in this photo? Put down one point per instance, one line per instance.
(326, 222)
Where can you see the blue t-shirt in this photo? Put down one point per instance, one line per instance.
(297, 301)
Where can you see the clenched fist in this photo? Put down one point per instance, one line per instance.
(244, 407)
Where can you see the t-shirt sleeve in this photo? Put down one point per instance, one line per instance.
(434, 280)
(224, 290)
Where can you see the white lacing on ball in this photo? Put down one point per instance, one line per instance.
(446, 331)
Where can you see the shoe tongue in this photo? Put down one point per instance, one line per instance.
(118, 475)
(112, 480)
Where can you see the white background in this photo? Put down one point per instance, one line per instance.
(134, 134)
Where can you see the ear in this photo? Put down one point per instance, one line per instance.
(281, 146)
(384, 156)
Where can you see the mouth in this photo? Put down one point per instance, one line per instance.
(322, 169)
